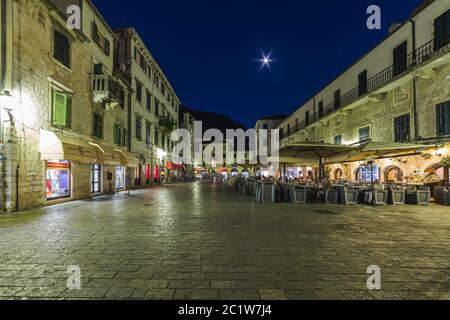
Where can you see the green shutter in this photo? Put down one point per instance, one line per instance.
(60, 109)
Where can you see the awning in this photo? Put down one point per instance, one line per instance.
(61, 146)
(307, 152)
(376, 150)
(107, 155)
(127, 159)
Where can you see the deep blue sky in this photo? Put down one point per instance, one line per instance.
(208, 49)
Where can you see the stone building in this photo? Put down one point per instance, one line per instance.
(186, 121)
(398, 94)
(67, 106)
(155, 109)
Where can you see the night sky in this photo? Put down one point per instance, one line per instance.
(209, 50)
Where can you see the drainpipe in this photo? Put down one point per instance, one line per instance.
(3, 46)
(2, 89)
(416, 129)
(415, 113)
(130, 92)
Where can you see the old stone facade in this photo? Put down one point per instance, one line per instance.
(154, 101)
(394, 94)
(67, 113)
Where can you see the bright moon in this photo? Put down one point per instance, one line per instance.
(266, 61)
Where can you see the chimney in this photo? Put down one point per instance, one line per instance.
(394, 26)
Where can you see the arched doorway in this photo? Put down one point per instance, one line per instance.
(393, 174)
(338, 174)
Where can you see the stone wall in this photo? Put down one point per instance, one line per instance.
(35, 71)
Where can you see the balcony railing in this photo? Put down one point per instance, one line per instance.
(105, 87)
(416, 58)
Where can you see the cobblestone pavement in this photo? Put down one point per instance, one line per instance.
(204, 241)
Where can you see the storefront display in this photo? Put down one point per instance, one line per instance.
(120, 178)
(58, 179)
(96, 178)
(147, 174)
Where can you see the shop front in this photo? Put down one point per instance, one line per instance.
(120, 177)
(67, 161)
(58, 180)
(126, 169)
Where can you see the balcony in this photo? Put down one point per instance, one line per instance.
(415, 59)
(106, 89)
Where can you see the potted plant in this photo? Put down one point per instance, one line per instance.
(446, 162)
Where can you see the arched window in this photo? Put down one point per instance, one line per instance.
(338, 174)
(363, 173)
(393, 175)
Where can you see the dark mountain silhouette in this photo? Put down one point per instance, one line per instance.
(213, 120)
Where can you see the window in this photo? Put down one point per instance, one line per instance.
(265, 126)
(338, 140)
(58, 179)
(98, 125)
(364, 134)
(281, 133)
(96, 178)
(100, 39)
(138, 128)
(125, 137)
(320, 108)
(442, 31)
(98, 68)
(400, 58)
(156, 138)
(156, 107)
(61, 109)
(138, 91)
(163, 89)
(402, 128)
(288, 129)
(61, 48)
(367, 173)
(362, 83)
(307, 117)
(443, 119)
(148, 103)
(148, 133)
(296, 124)
(118, 135)
(337, 99)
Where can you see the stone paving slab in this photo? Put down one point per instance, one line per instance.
(204, 241)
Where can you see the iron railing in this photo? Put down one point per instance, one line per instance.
(414, 59)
